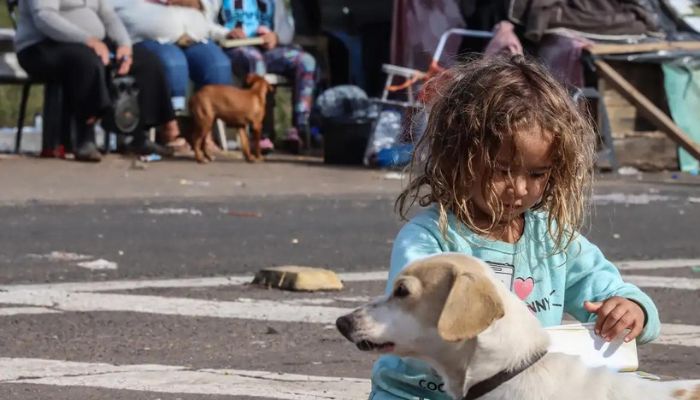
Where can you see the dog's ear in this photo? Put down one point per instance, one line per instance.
(472, 305)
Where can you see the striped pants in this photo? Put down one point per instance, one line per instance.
(288, 61)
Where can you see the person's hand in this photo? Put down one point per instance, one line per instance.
(269, 38)
(236, 33)
(196, 4)
(504, 41)
(615, 315)
(124, 57)
(99, 48)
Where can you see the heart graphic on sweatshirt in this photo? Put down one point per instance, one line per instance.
(523, 287)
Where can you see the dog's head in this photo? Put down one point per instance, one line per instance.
(258, 82)
(435, 302)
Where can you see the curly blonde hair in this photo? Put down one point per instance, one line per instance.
(474, 108)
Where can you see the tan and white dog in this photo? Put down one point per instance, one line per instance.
(451, 311)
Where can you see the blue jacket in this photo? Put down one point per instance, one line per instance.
(549, 282)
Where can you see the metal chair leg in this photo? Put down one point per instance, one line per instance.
(22, 113)
(607, 133)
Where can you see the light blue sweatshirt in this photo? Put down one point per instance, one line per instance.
(549, 282)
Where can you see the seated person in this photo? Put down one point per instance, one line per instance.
(178, 32)
(271, 20)
(69, 42)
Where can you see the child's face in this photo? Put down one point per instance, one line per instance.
(523, 167)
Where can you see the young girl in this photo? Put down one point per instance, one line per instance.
(505, 170)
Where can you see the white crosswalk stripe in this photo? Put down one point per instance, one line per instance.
(52, 298)
(176, 379)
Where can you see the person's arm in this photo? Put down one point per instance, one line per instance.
(211, 10)
(50, 22)
(413, 242)
(113, 24)
(504, 40)
(283, 23)
(196, 4)
(590, 277)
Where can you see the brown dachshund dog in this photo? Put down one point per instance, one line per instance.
(238, 108)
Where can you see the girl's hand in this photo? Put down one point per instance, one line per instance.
(615, 315)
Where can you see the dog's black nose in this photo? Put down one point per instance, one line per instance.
(345, 326)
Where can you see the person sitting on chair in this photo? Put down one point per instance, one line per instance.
(271, 21)
(70, 42)
(179, 33)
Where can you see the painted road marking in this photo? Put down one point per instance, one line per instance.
(663, 282)
(250, 309)
(176, 379)
(657, 264)
(679, 335)
(27, 310)
(640, 280)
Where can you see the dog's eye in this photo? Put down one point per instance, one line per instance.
(401, 291)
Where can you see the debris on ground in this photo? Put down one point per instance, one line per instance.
(150, 158)
(628, 171)
(298, 278)
(242, 214)
(173, 211)
(98, 264)
(187, 182)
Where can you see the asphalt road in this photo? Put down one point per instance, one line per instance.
(56, 339)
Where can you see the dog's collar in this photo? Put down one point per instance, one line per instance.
(500, 378)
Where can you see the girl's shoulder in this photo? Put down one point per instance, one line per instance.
(427, 218)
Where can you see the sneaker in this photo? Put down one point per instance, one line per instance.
(292, 141)
(266, 146)
(179, 146)
(56, 152)
(146, 147)
(88, 152)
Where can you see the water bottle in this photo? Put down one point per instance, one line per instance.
(38, 123)
(387, 129)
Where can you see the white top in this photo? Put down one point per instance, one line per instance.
(147, 20)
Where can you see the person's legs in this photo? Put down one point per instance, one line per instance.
(175, 66)
(300, 67)
(249, 60)
(208, 64)
(154, 94)
(83, 80)
(154, 90)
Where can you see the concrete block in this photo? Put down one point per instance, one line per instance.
(298, 278)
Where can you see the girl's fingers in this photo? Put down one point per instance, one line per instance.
(603, 314)
(611, 319)
(624, 322)
(635, 331)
